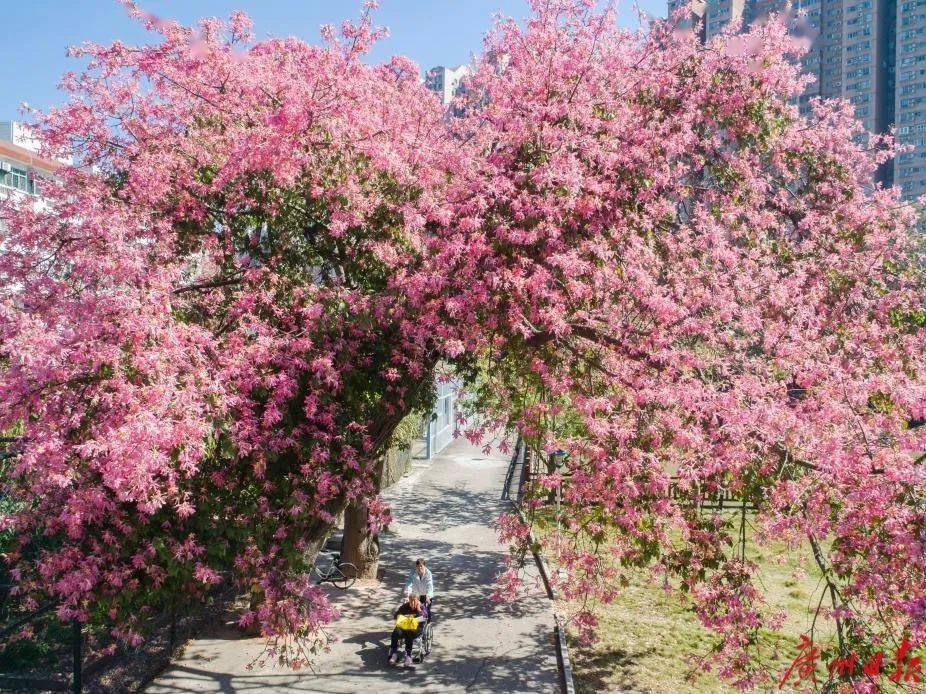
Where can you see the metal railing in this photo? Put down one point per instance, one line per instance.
(8, 442)
(42, 679)
(524, 469)
(713, 499)
(75, 656)
(522, 473)
(72, 654)
(514, 478)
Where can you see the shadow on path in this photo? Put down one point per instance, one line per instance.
(445, 513)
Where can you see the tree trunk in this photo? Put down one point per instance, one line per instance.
(359, 547)
(255, 601)
(551, 470)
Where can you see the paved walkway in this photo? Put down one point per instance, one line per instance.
(444, 512)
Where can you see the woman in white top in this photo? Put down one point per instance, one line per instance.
(421, 583)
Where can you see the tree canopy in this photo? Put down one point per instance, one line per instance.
(633, 247)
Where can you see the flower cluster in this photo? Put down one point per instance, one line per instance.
(694, 290)
(210, 331)
(634, 247)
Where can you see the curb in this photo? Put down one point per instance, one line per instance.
(562, 654)
(567, 685)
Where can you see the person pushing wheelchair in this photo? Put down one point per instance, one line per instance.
(421, 583)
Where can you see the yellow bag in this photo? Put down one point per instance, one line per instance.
(408, 622)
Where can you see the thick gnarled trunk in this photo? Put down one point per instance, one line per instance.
(360, 547)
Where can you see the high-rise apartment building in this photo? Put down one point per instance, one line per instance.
(719, 13)
(446, 81)
(869, 52)
(910, 95)
(694, 19)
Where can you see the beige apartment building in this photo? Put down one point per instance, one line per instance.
(870, 52)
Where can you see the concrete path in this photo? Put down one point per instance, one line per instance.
(444, 512)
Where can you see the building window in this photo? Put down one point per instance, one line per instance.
(15, 177)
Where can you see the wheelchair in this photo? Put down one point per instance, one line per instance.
(422, 645)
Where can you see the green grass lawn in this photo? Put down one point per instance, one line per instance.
(649, 640)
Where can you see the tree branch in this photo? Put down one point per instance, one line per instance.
(212, 284)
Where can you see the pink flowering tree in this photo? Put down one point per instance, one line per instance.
(634, 246)
(680, 276)
(209, 335)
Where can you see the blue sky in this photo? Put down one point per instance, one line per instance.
(35, 33)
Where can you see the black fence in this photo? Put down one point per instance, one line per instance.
(524, 470)
(41, 653)
(514, 479)
(525, 467)
(716, 498)
(70, 656)
(50, 660)
(8, 447)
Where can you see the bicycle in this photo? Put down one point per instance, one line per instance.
(339, 574)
